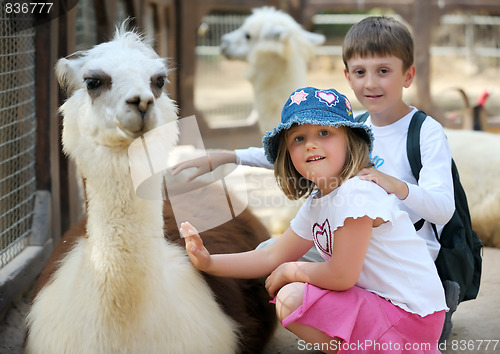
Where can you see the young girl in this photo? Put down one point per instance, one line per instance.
(378, 289)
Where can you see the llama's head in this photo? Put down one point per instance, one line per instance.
(269, 30)
(116, 94)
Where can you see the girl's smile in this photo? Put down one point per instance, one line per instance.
(315, 158)
(318, 153)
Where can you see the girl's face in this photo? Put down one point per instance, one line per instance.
(378, 84)
(318, 153)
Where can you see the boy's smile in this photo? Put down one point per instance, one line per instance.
(378, 82)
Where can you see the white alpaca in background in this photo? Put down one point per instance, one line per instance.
(114, 283)
(477, 156)
(277, 50)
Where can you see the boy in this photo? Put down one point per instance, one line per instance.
(378, 59)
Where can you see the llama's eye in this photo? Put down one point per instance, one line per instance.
(247, 36)
(160, 82)
(93, 83)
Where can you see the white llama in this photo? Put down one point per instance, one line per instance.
(277, 50)
(477, 157)
(115, 284)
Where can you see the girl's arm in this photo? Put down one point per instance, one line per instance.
(252, 264)
(342, 271)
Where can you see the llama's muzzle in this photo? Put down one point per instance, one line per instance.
(126, 131)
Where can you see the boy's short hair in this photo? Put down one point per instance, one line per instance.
(379, 36)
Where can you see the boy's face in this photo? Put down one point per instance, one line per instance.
(318, 153)
(378, 82)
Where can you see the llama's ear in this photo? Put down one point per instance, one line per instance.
(66, 74)
(315, 38)
(276, 32)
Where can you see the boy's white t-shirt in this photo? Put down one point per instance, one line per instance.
(253, 156)
(397, 265)
(432, 199)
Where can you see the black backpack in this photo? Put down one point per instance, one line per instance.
(459, 258)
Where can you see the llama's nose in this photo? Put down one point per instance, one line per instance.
(142, 103)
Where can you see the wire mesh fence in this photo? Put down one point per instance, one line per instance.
(17, 137)
(219, 79)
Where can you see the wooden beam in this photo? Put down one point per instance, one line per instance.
(424, 18)
(43, 92)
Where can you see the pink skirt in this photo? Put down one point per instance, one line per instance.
(366, 322)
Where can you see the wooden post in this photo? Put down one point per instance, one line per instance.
(425, 17)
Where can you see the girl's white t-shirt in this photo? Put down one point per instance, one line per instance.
(397, 265)
(431, 198)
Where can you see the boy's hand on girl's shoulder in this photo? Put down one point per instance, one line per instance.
(390, 184)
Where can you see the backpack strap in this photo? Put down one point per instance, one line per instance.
(414, 157)
(362, 117)
(413, 143)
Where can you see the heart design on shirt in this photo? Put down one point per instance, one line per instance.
(329, 98)
(322, 236)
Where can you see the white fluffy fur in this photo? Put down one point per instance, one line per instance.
(477, 157)
(277, 50)
(123, 289)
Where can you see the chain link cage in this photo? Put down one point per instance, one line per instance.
(17, 136)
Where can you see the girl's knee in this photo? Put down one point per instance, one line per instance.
(288, 299)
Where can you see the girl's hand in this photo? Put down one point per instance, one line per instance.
(198, 254)
(279, 277)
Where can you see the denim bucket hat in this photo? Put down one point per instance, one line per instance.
(310, 105)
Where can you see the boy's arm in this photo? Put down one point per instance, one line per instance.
(204, 164)
(390, 184)
(253, 156)
(432, 198)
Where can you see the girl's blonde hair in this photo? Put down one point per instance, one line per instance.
(295, 186)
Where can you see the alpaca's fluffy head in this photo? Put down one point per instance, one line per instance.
(269, 30)
(116, 93)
